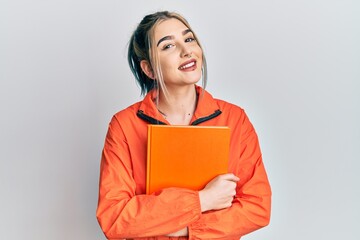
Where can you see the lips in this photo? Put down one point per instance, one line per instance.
(188, 65)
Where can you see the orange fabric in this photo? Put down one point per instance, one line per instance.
(125, 211)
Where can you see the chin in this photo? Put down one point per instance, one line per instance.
(194, 79)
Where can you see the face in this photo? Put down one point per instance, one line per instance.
(180, 56)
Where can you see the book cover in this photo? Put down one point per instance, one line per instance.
(185, 156)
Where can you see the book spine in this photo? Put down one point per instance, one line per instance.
(148, 160)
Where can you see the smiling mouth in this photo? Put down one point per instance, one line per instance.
(187, 65)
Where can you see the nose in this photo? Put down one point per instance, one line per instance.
(188, 55)
(186, 51)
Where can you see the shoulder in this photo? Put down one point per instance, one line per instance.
(126, 115)
(235, 115)
(208, 104)
(128, 111)
(229, 108)
(236, 118)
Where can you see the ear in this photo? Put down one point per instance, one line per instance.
(147, 69)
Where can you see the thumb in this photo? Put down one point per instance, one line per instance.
(230, 177)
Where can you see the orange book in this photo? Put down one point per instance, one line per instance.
(185, 156)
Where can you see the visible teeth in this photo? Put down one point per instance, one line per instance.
(188, 65)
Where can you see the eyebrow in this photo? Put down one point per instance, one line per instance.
(172, 37)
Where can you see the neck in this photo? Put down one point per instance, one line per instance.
(179, 106)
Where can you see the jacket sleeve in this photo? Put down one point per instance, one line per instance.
(121, 213)
(251, 206)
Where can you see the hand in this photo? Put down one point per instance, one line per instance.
(180, 233)
(218, 193)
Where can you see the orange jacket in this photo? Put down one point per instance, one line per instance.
(125, 211)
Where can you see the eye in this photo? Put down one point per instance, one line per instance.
(167, 46)
(190, 39)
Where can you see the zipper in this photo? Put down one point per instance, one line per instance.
(152, 120)
(146, 118)
(204, 119)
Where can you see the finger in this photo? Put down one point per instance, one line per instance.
(230, 177)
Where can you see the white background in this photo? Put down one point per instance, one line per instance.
(293, 65)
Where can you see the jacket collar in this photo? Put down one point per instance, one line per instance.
(206, 108)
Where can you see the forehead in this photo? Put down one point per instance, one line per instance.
(169, 27)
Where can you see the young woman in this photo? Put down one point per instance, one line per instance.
(167, 60)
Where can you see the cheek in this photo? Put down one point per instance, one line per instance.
(168, 64)
(198, 50)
